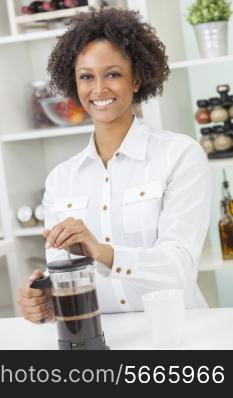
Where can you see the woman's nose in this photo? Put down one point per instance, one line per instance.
(99, 87)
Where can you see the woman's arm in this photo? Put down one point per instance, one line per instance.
(183, 223)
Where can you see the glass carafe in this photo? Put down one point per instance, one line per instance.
(75, 302)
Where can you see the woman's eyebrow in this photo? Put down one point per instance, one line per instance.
(105, 68)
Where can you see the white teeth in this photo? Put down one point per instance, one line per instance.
(103, 103)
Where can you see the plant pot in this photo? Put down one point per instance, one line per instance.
(212, 38)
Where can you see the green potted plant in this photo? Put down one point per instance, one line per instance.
(210, 22)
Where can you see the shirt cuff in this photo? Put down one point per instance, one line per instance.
(103, 269)
(128, 263)
(125, 262)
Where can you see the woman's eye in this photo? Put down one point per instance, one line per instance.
(85, 77)
(113, 74)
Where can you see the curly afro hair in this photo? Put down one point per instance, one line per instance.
(125, 30)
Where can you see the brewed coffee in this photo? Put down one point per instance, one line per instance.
(77, 314)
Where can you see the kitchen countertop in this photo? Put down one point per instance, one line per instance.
(210, 329)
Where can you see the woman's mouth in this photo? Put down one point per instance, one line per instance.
(103, 104)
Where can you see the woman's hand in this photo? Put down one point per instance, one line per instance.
(34, 303)
(74, 234)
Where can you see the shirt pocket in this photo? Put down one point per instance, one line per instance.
(75, 207)
(142, 206)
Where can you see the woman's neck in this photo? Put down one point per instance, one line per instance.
(108, 137)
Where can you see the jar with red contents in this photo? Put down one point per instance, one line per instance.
(202, 115)
(39, 91)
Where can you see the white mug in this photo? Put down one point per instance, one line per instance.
(165, 312)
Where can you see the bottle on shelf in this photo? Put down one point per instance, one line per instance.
(222, 140)
(48, 6)
(62, 4)
(207, 140)
(202, 115)
(51, 5)
(36, 7)
(226, 194)
(218, 113)
(82, 3)
(225, 224)
(225, 227)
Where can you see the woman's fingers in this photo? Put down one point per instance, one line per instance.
(37, 309)
(33, 301)
(52, 236)
(46, 233)
(68, 232)
(28, 292)
(61, 232)
(37, 316)
(34, 304)
(72, 240)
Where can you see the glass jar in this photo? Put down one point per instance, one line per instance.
(75, 303)
(222, 140)
(39, 91)
(39, 212)
(223, 90)
(218, 113)
(207, 141)
(230, 110)
(25, 217)
(229, 133)
(202, 115)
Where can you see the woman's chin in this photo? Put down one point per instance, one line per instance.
(105, 119)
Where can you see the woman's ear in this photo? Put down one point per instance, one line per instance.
(137, 85)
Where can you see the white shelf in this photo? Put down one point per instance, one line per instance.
(6, 312)
(46, 16)
(5, 246)
(201, 61)
(30, 36)
(221, 162)
(24, 232)
(212, 260)
(47, 133)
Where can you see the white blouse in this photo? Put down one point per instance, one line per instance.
(151, 203)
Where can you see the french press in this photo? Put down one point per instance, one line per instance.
(73, 291)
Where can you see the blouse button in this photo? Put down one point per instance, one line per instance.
(123, 302)
(105, 207)
(129, 272)
(69, 205)
(117, 154)
(106, 179)
(118, 270)
(107, 239)
(142, 193)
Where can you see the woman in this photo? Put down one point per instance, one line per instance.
(136, 200)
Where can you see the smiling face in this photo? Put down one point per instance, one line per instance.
(105, 82)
